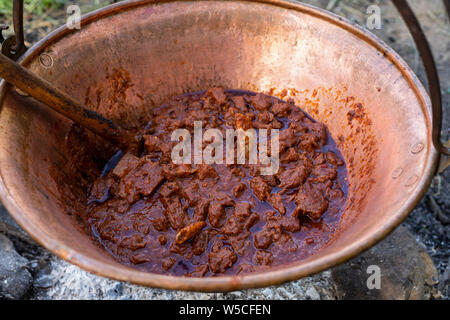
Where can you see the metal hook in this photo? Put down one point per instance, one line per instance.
(14, 46)
(430, 68)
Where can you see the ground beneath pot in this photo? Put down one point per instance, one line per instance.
(407, 272)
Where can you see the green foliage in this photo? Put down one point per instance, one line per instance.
(33, 6)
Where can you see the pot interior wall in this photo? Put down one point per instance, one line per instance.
(124, 64)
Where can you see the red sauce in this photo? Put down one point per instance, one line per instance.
(205, 220)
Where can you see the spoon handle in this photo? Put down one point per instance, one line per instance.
(47, 93)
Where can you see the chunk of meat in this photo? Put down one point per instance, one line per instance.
(143, 180)
(149, 176)
(162, 239)
(310, 201)
(319, 159)
(200, 243)
(260, 101)
(240, 242)
(195, 115)
(275, 124)
(322, 186)
(242, 209)
(179, 248)
(140, 258)
(206, 171)
(323, 173)
(308, 142)
(221, 258)
(292, 178)
(127, 163)
(260, 187)
(276, 202)
(243, 121)
(192, 194)
(241, 220)
(287, 138)
(286, 243)
(218, 94)
(245, 268)
(100, 190)
(239, 103)
(265, 117)
(271, 180)
(161, 224)
(281, 109)
(251, 221)
(216, 211)
(201, 211)
(290, 223)
(142, 224)
(296, 114)
(238, 172)
(334, 193)
(233, 226)
(155, 144)
(167, 263)
(279, 223)
(172, 171)
(170, 188)
(263, 239)
(184, 170)
(290, 155)
(229, 117)
(318, 129)
(239, 189)
(334, 159)
(175, 213)
(133, 243)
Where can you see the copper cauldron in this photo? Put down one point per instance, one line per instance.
(371, 101)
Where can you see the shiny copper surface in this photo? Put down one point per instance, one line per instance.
(371, 101)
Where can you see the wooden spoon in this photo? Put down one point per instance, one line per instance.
(45, 92)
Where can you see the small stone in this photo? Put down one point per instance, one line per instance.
(15, 279)
(312, 294)
(115, 292)
(34, 265)
(406, 271)
(267, 293)
(44, 281)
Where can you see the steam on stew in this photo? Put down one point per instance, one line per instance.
(211, 219)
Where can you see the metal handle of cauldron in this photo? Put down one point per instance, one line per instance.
(14, 46)
(432, 75)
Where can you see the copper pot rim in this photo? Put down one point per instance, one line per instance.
(286, 273)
